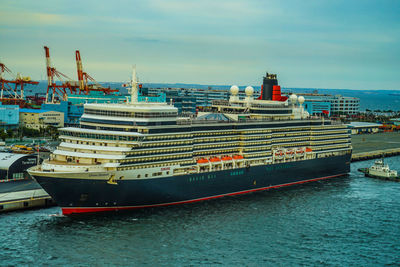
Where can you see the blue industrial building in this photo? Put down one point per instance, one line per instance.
(338, 105)
(9, 116)
(316, 107)
(72, 113)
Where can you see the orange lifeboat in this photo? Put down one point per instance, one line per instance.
(237, 157)
(202, 161)
(308, 149)
(215, 159)
(225, 158)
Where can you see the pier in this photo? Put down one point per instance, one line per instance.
(375, 154)
(371, 146)
(26, 199)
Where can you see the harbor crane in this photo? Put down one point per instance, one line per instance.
(57, 89)
(84, 78)
(12, 91)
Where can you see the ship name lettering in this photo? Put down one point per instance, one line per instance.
(278, 167)
(202, 178)
(234, 173)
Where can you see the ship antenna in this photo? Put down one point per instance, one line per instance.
(134, 90)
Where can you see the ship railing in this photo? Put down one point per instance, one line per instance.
(189, 121)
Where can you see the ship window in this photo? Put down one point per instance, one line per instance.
(138, 176)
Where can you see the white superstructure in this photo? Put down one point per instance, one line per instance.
(137, 140)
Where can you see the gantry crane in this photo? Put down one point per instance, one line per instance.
(12, 91)
(83, 77)
(61, 88)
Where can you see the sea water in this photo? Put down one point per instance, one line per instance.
(346, 221)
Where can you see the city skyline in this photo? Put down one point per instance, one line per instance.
(313, 44)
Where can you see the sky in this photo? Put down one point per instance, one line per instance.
(308, 43)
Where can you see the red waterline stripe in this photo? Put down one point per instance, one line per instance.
(68, 211)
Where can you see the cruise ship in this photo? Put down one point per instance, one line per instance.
(142, 154)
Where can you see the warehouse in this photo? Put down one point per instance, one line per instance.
(358, 127)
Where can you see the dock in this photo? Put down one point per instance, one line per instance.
(22, 194)
(372, 146)
(375, 154)
(26, 203)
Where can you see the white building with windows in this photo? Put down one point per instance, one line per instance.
(339, 105)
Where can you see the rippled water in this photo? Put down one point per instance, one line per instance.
(343, 221)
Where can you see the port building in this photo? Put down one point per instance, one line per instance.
(17, 189)
(358, 127)
(317, 107)
(13, 166)
(9, 116)
(188, 100)
(40, 118)
(335, 104)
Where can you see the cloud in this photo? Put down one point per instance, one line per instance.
(233, 9)
(307, 42)
(146, 40)
(26, 18)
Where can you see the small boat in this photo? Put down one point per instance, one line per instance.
(381, 171)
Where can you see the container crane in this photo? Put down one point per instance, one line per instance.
(12, 91)
(83, 78)
(61, 88)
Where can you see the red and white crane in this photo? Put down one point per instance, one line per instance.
(84, 86)
(12, 91)
(57, 89)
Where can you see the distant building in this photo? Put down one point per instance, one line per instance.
(345, 105)
(187, 100)
(72, 113)
(339, 105)
(9, 116)
(40, 118)
(363, 127)
(317, 107)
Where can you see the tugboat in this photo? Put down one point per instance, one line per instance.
(381, 171)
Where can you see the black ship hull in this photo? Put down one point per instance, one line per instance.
(89, 195)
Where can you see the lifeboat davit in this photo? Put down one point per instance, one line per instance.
(299, 152)
(289, 153)
(279, 154)
(202, 161)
